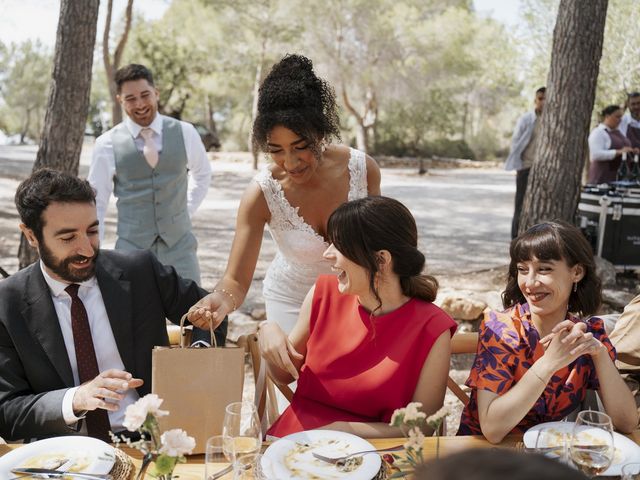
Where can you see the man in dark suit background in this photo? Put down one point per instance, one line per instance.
(77, 328)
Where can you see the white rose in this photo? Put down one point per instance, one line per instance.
(153, 402)
(134, 416)
(176, 443)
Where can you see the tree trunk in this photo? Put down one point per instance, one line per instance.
(68, 104)
(211, 122)
(554, 183)
(110, 67)
(362, 138)
(25, 128)
(254, 104)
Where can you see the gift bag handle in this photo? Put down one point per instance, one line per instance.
(214, 343)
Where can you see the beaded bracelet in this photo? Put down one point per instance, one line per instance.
(229, 294)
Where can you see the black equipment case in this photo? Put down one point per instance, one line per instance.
(610, 219)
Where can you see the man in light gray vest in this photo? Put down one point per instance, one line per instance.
(158, 170)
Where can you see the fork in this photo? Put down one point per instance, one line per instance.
(341, 461)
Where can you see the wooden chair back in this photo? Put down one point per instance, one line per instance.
(265, 395)
(462, 343)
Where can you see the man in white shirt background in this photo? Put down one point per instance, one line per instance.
(630, 124)
(521, 155)
(77, 328)
(158, 170)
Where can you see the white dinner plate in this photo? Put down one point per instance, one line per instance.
(92, 455)
(289, 459)
(627, 451)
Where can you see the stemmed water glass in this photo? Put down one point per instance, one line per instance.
(631, 471)
(553, 442)
(591, 447)
(242, 436)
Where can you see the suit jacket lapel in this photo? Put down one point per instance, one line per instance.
(42, 320)
(116, 294)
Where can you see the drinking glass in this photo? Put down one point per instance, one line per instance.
(553, 442)
(591, 447)
(631, 471)
(242, 436)
(214, 457)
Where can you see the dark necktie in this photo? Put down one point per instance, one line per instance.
(97, 420)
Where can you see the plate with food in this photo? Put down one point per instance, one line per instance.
(291, 457)
(625, 449)
(80, 454)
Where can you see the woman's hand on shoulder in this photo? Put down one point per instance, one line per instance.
(277, 349)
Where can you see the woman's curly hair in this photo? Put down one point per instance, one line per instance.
(293, 96)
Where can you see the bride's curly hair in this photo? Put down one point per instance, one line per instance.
(293, 96)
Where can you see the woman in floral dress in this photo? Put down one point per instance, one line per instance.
(536, 360)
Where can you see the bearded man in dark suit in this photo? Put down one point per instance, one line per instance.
(77, 328)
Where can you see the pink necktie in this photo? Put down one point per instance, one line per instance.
(97, 420)
(149, 151)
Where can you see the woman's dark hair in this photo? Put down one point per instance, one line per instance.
(491, 464)
(556, 241)
(609, 110)
(45, 186)
(292, 96)
(361, 228)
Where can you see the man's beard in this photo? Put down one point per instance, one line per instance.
(63, 269)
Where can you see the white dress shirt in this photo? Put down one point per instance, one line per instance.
(600, 144)
(106, 349)
(103, 164)
(628, 120)
(520, 139)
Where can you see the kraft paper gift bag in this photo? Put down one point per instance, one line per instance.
(196, 385)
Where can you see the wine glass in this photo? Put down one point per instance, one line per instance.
(214, 457)
(631, 471)
(553, 442)
(591, 447)
(242, 436)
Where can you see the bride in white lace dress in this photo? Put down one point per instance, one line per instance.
(294, 195)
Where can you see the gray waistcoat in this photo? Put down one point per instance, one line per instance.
(151, 202)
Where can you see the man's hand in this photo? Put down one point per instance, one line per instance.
(109, 385)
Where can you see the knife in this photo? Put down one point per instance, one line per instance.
(221, 473)
(58, 474)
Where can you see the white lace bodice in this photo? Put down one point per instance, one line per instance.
(298, 261)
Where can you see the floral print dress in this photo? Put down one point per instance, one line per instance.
(508, 346)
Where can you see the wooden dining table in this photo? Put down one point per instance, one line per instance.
(194, 468)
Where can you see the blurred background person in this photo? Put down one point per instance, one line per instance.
(523, 149)
(607, 144)
(630, 124)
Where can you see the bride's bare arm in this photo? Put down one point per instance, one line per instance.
(230, 291)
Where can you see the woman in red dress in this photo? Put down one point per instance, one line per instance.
(369, 339)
